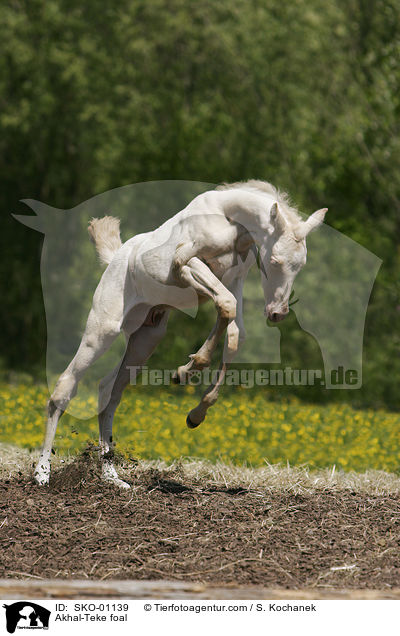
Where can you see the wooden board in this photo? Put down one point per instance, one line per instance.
(59, 589)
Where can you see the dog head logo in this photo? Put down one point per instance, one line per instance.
(26, 615)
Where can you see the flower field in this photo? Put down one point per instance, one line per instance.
(243, 427)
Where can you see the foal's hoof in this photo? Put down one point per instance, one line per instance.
(116, 481)
(42, 475)
(109, 475)
(180, 375)
(191, 424)
(41, 480)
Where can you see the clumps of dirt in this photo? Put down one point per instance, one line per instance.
(170, 526)
(82, 473)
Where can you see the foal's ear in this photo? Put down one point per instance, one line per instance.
(277, 218)
(312, 222)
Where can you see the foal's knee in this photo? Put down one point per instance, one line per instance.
(227, 307)
(183, 253)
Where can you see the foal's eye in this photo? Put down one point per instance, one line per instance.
(274, 261)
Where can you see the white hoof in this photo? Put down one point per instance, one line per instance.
(109, 474)
(116, 481)
(42, 474)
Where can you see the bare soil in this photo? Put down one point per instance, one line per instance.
(170, 527)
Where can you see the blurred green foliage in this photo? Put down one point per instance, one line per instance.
(304, 94)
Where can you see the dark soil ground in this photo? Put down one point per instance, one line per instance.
(169, 527)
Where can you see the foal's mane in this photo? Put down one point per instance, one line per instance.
(255, 185)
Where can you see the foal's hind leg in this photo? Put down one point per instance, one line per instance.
(140, 346)
(202, 358)
(234, 337)
(198, 414)
(96, 340)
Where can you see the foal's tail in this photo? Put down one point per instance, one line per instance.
(105, 235)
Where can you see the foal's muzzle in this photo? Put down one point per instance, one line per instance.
(276, 316)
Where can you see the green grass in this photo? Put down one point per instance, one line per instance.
(243, 427)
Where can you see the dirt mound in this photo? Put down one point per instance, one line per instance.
(171, 527)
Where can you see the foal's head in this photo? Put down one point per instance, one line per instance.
(283, 254)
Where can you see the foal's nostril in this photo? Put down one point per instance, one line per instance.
(277, 316)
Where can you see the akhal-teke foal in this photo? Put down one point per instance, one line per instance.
(203, 252)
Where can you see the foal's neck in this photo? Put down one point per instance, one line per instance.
(250, 209)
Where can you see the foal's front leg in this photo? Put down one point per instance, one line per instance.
(198, 275)
(184, 255)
